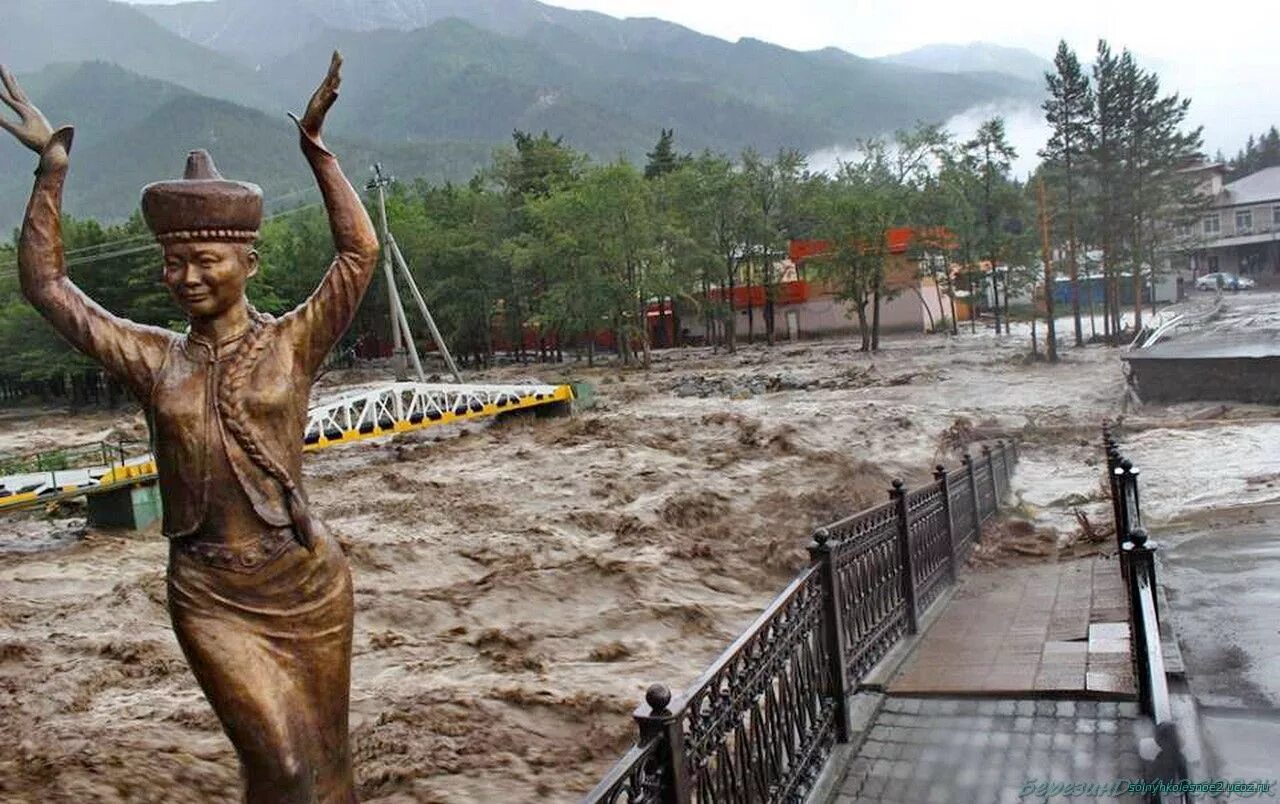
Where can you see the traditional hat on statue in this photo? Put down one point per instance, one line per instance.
(202, 206)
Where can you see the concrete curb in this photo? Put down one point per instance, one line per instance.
(864, 708)
(878, 678)
(865, 704)
(867, 700)
(1182, 703)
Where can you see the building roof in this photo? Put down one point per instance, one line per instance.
(1255, 188)
(898, 240)
(1217, 167)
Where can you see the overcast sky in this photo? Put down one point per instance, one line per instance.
(1226, 58)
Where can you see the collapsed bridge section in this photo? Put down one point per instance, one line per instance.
(374, 412)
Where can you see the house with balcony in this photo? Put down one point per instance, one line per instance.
(1239, 233)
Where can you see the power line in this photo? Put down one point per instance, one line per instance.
(9, 269)
(148, 236)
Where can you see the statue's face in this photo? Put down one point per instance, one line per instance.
(207, 279)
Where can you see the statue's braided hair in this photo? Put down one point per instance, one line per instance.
(231, 406)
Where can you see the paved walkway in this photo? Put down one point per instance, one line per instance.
(939, 751)
(1049, 629)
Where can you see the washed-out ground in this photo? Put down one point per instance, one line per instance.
(519, 585)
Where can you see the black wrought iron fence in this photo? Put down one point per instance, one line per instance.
(1138, 567)
(758, 725)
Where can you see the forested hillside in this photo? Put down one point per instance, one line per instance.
(430, 88)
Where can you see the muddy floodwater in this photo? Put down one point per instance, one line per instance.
(519, 585)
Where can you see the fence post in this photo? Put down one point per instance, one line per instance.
(1121, 479)
(940, 474)
(1142, 572)
(665, 725)
(1133, 515)
(1113, 483)
(1004, 471)
(821, 551)
(991, 470)
(967, 460)
(1133, 512)
(899, 496)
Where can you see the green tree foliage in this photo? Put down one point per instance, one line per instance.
(1137, 150)
(1257, 154)
(599, 240)
(856, 213)
(663, 159)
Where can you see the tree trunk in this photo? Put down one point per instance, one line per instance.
(995, 295)
(875, 321)
(1008, 329)
(1050, 336)
(973, 306)
(937, 288)
(1107, 288)
(933, 327)
(1074, 273)
(708, 317)
(770, 310)
(1153, 289)
(731, 321)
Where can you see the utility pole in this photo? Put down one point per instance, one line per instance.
(1051, 345)
(379, 183)
(392, 258)
(422, 308)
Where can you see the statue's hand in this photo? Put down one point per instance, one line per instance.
(33, 129)
(321, 101)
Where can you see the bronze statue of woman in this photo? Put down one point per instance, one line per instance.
(259, 592)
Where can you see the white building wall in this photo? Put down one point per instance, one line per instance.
(828, 316)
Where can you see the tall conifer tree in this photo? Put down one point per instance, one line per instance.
(1069, 112)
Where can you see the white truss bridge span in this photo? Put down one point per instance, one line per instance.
(373, 412)
(405, 406)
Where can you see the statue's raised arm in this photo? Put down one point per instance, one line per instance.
(129, 351)
(32, 129)
(319, 322)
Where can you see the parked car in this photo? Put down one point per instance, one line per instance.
(1225, 281)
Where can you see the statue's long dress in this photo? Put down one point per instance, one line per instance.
(265, 623)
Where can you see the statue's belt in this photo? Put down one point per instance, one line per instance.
(247, 558)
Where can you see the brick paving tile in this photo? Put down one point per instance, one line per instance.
(1024, 629)
(965, 751)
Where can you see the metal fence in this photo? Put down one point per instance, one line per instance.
(1138, 567)
(759, 724)
(74, 456)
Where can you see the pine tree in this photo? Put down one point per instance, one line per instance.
(1106, 137)
(991, 157)
(1159, 150)
(1068, 111)
(1264, 152)
(663, 158)
(1137, 150)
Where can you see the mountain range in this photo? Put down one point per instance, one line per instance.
(430, 87)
